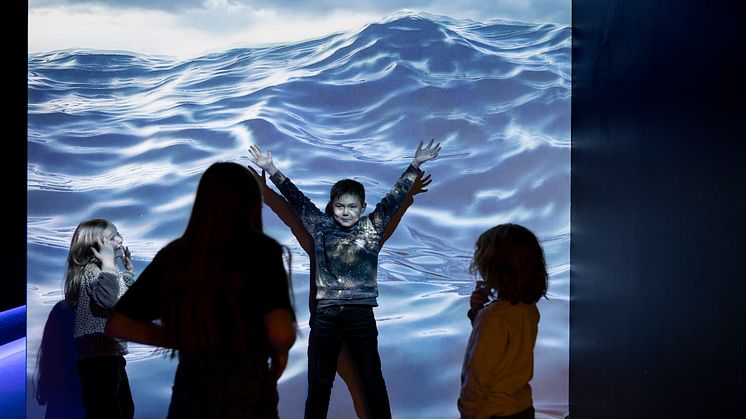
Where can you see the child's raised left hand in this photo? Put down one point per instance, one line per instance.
(421, 183)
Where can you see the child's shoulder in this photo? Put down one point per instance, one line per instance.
(91, 266)
(502, 315)
(504, 308)
(91, 270)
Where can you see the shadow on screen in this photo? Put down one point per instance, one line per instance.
(56, 382)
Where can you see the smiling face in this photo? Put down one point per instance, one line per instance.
(347, 209)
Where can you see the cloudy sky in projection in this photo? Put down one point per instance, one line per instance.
(191, 27)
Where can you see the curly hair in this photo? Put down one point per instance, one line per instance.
(511, 261)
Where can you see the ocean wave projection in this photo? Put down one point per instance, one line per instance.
(126, 136)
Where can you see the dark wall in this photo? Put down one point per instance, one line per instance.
(658, 211)
(13, 166)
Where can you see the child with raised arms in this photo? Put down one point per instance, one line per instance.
(346, 244)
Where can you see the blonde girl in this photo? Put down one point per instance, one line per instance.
(93, 285)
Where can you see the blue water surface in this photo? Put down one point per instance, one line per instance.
(126, 136)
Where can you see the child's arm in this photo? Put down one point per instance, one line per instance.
(281, 336)
(302, 206)
(133, 316)
(282, 208)
(103, 288)
(125, 328)
(390, 204)
(480, 362)
(418, 187)
(479, 297)
(424, 154)
(104, 282)
(279, 318)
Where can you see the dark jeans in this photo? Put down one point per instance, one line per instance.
(356, 326)
(523, 414)
(105, 388)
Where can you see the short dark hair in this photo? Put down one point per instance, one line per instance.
(345, 187)
(510, 260)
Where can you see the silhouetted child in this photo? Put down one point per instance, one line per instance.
(346, 247)
(499, 359)
(93, 284)
(223, 298)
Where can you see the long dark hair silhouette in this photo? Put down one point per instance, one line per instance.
(205, 266)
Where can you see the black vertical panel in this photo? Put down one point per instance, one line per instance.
(657, 314)
(13, 165)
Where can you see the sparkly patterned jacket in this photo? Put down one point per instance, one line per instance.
(346, 258)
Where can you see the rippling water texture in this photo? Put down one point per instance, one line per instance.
(126, 137)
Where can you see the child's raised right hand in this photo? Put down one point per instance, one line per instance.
(262, 159)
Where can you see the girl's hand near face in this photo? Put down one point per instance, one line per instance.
(105, 254)
(127, 259)
(479, 297)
